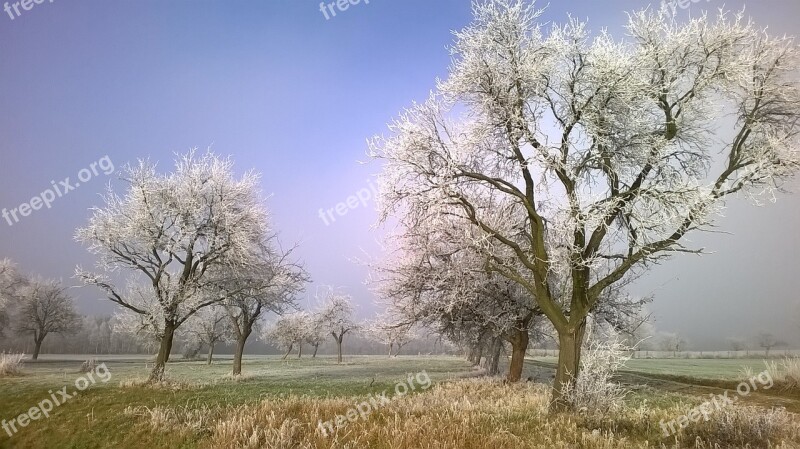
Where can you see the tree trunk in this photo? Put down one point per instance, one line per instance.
(164, 349)
(339, 348)
(300, 352)
(390, 349)
(237, 356)
(291, 346)
(478, 355)
(494, 363)
(519, 345)
(569, 362)
(314, 355)
(37, 346)
(210, 354)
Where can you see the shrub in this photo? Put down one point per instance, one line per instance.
(10, 364)
(594, 390)
(89, 365)
(744, 426)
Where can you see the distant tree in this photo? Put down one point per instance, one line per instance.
(768, 341)
(737, 344)
(287, 331)
(180, 233)
(273, 284)
(670, 341)
(315, 333)
(383, 330)
(45, 309)
(336, 317)
(210, 326)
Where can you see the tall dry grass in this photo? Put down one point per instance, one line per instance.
(11, 364)
(467, 414)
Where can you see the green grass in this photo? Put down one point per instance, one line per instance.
(710, 369)
(95, 419)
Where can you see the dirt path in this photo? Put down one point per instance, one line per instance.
(543, 372)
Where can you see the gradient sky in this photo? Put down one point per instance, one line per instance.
(295, 96)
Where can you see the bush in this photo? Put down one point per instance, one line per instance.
(594, 390)
(89, 365)
(10, 364)
(786, 374)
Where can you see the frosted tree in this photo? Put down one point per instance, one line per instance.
(287, 331)
(210, 326)
(336, 317)
(768, 341)
(176, 235)
(272, 286)
(45, 308)
(315, 333)
(603, 149)
(384, 331)
(434, 277)
(671, 342)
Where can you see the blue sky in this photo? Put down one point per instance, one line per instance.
(294, 96)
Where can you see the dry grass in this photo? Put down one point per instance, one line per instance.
(11, 364)
(474, 413)
(166, 384)
(785, 373)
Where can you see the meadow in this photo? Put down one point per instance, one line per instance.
(279, 404)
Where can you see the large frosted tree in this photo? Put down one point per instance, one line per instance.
(176, 235)
(604, 149)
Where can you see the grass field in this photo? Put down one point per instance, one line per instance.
(711, 369)
(95, 418)
(278, 404)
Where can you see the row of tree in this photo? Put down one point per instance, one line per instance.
(547, 171)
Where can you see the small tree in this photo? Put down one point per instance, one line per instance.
(210, 326)
(768, 341)
(315, 334)
(383, 331)
(271, 287)
(288, 331)
(45, 309)
(672, 342)
(737, 344)
(336, 317)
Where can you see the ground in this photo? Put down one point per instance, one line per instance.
(206, 408)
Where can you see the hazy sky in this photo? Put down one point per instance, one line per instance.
(294, 95)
